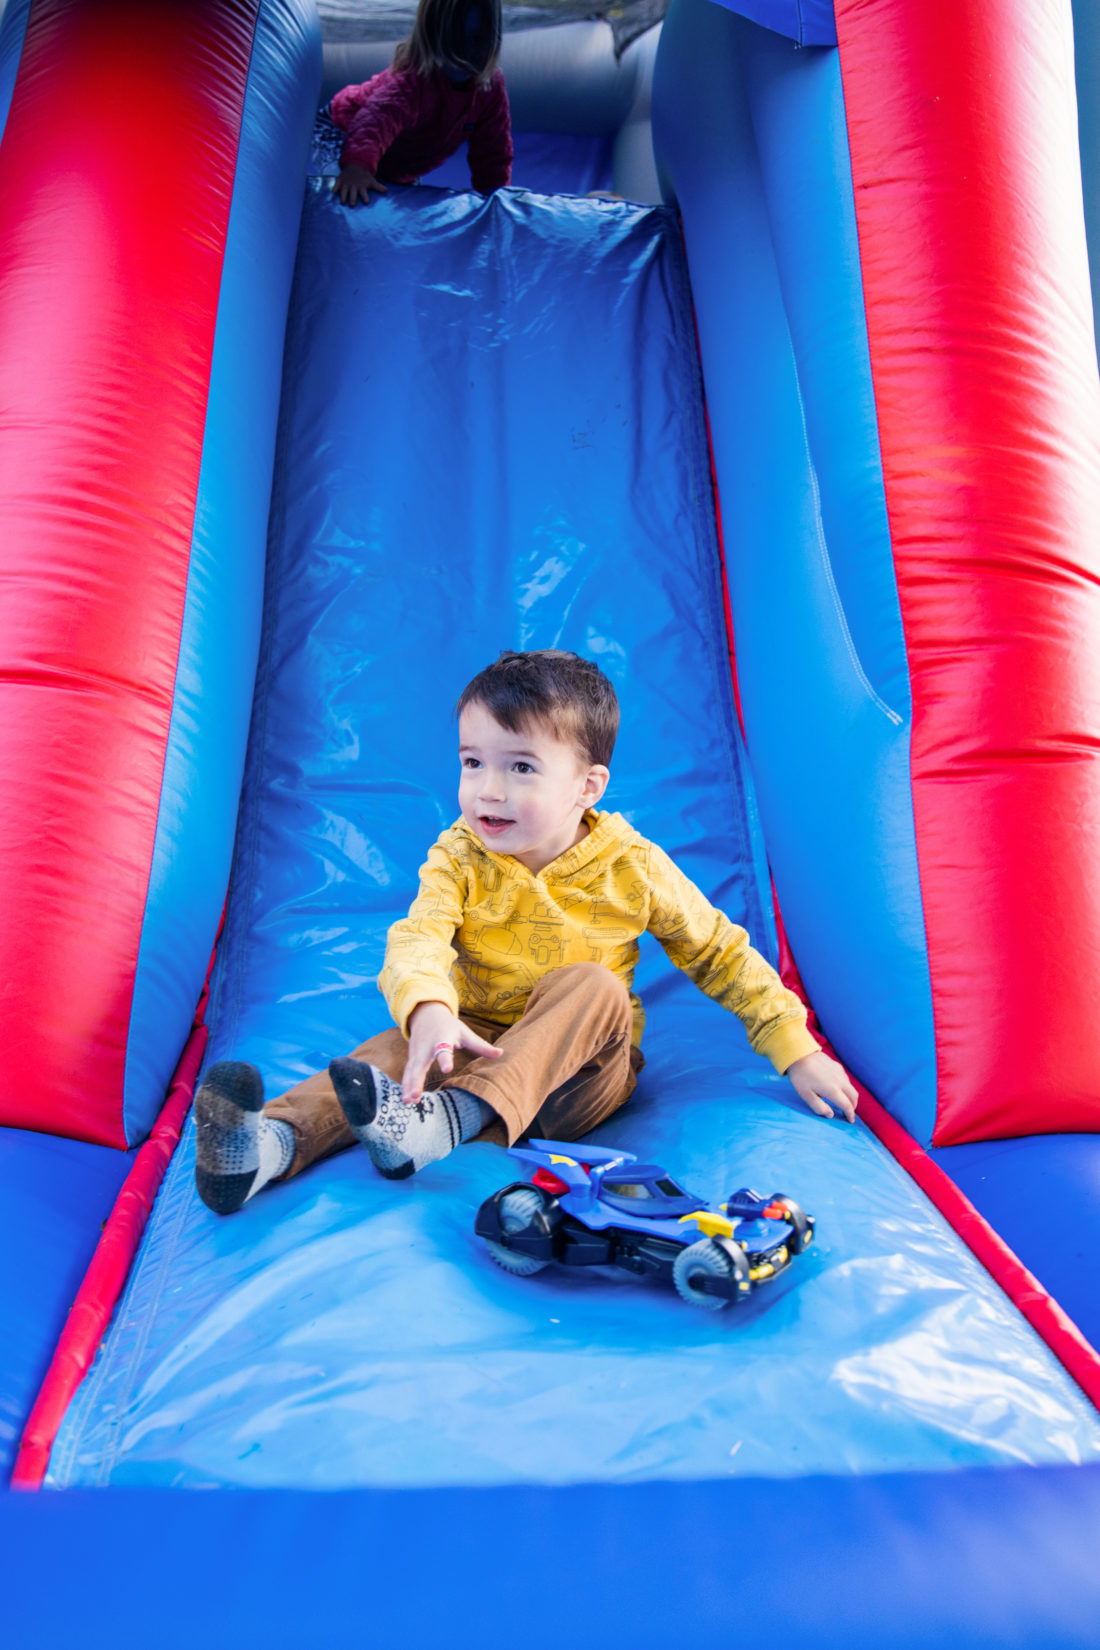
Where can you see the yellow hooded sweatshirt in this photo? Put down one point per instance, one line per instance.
(483, 929)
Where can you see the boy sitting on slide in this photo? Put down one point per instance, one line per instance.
(510, 979)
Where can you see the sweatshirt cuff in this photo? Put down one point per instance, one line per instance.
(787, 1042)
(487, 184)
(352, 155)
(412, 993)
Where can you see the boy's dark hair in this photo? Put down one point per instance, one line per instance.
(570, 693)
(456, 34)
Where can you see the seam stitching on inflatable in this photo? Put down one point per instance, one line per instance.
(864, 679)
(710, 552)
(172, 1240)
(230, 980)
(164, 1215)
(141, 967)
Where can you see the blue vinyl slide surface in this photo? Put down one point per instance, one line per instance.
(492, 436)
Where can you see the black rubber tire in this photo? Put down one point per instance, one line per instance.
(517, 1210)
(704, 1256)
(800, 1226)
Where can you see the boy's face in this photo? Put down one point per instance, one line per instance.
(524, 793)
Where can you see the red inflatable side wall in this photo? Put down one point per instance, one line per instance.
(968, 203)
(116, 172)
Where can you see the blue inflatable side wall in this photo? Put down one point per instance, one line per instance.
(54, 1198)
(1086, 44)
(221, 625)
(757, 158)
(13, 28)
(806, 22)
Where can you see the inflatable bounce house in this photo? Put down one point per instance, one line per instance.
(770, 384)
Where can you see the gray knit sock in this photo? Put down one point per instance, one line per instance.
(401, 1139)
(237, 1149)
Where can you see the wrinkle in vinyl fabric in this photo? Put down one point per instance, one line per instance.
(492, 436)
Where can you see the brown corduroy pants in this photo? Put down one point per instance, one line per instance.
(568, 1063)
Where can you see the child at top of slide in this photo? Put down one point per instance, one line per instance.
(443, 90)
(510, 977)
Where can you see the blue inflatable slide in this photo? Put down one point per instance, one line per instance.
(647, 412)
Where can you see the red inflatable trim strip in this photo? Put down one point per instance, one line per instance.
(967, 193)
(116, 178)
(1023, 1289)
(103, 1282)
(1077, 1355)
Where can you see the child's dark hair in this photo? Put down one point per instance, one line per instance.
(453, 34)
(569, 693)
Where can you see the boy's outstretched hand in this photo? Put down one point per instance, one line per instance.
(824, 1085)
(434, 1034)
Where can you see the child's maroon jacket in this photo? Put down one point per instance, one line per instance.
(401, 124)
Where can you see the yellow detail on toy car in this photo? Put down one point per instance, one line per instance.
(711, 1224)
(769, 1268)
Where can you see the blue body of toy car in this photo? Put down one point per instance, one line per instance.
(594, 1206)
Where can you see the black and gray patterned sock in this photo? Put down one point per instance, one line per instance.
(401, 1139)
(237, 1149)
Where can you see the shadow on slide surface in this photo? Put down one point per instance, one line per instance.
(492, 436)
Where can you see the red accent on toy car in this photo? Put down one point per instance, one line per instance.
(547, 1181)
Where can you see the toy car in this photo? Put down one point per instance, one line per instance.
(593, 1206)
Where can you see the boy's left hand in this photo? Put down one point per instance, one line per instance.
(824, 1085)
